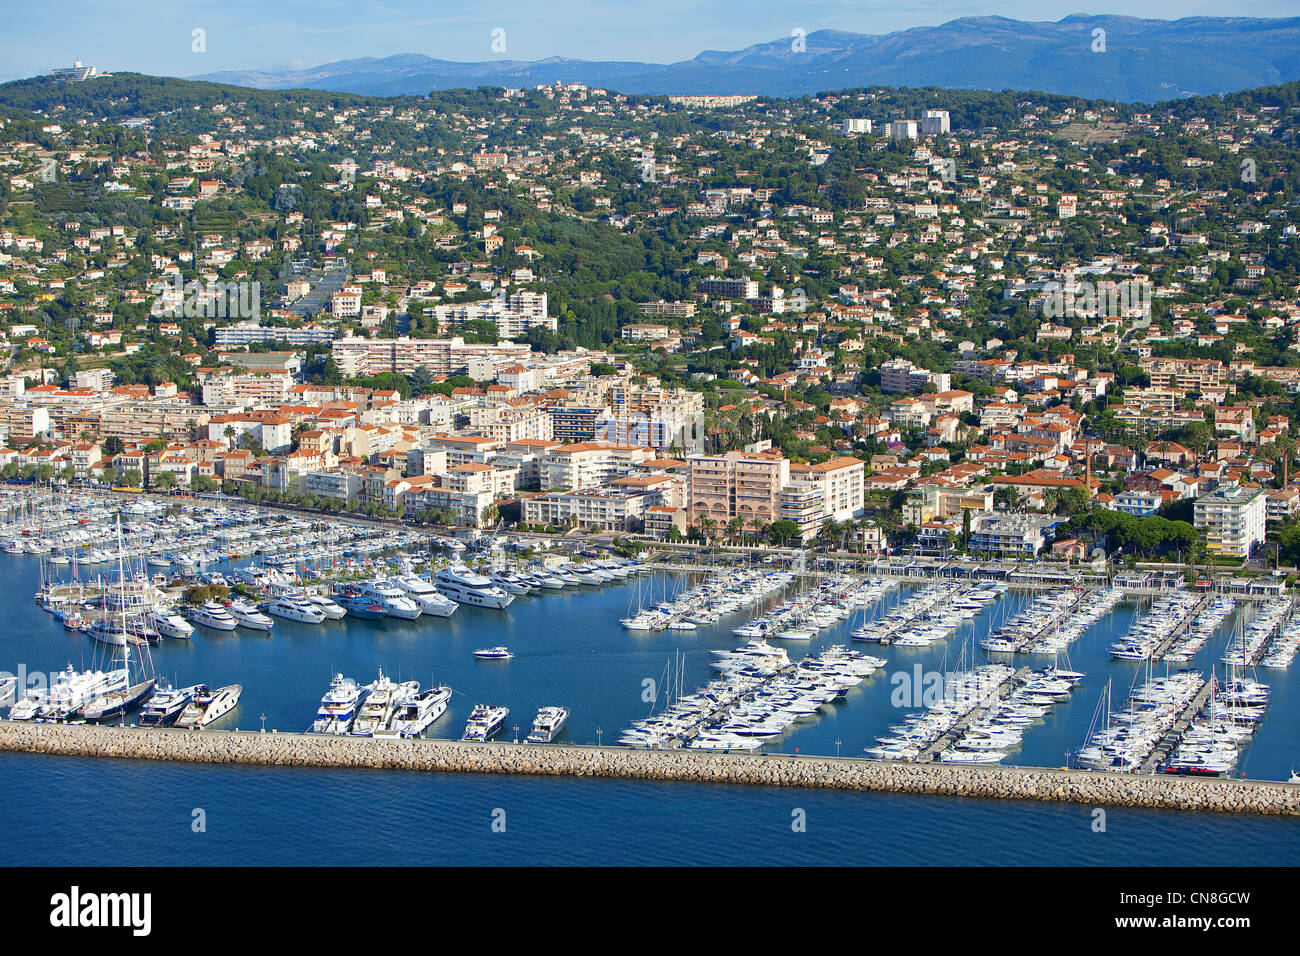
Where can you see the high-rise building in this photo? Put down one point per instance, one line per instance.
(1233, 518)
(935, 122)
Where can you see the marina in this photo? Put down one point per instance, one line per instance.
(568, 648)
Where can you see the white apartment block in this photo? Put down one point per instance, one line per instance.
(1232, 518)
(900, 375)
(346, 303)
(514, 315)
(442, 357)
(589, 464)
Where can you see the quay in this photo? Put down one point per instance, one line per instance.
(1085, 788)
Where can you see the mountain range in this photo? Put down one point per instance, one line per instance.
(1135, 60)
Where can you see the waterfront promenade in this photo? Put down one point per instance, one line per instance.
(1092, 789)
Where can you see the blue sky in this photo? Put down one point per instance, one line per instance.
(150, 36)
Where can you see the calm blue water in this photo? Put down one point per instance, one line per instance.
(571, 650)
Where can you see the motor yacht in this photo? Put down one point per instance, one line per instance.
(391, 598)
(339, 706)
(296, 609)
(209, 706)
(381, 701)
(332, 610)
(547, 725)
(247, 615)
(357, 605)
(425, 596)
(485, 722)
(465, 587)
(165, 706)
(213, 614)
(170, 623)
(415, 712)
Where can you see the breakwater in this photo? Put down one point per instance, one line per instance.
(444, 756)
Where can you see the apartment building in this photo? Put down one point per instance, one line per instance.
(442, 357)
(1232, 518)
(729, 288)
(1008, 533)
(506, 424)
(900, 375)
(589, 464)
(24, 422)
(1186, 374)
(514, 314)
(246, 333)
(590, 509)
(736, 484)
(675, 310)
(842, 484)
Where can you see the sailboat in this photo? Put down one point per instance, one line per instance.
(130, 691)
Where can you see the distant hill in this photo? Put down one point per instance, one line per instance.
(1144, 61)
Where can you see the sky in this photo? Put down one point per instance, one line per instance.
(149, 36)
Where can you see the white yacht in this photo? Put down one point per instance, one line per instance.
(332, 610)
(391, 599)
(296, 609)
(380, 703)
(465, 587)
(338, 706)
(208, 706)
(415, 712)
(499, 653)
(169, 623)
(485, 722)
(425, 596)
(547, 725)
(166, 705)
(247, 615)
(511, 581)
(213, 614)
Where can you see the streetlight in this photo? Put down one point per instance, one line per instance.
(598, 733)
(837, 748)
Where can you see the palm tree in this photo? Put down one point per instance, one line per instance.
(707, 524)
(734, 529)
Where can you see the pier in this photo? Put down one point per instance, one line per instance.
(1054, 621)
(1088, 789)
(1181, 628)
(1170, 740)
(958, 730)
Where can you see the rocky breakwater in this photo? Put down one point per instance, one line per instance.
(304, 750)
